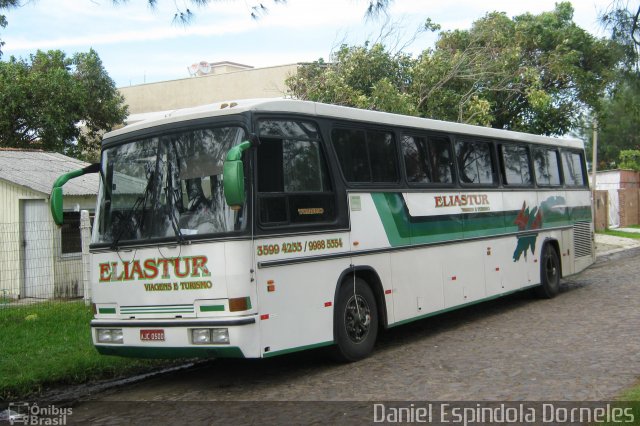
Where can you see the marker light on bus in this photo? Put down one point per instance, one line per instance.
(239, 304)
(207, 336)
(109, 335)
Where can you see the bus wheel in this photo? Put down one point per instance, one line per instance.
(355, 321)
(549, 273)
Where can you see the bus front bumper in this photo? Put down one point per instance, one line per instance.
(229, 337)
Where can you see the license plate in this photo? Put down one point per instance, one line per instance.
(152, 335)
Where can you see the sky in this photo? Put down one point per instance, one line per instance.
(138, 45)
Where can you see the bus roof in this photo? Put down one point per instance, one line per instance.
(290, 106)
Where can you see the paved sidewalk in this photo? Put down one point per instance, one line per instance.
(608, 244)
(635, 230)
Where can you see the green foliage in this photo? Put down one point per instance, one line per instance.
(57, 103)
(6, 5)
(621, 19)
(630, 159)
(361, 76)
(51, 344)
(532, 73)
(619, 122)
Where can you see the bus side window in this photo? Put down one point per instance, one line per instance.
(546, 167)
(515, 165)
(366, 156)
(416, 159)
(474, 162)
(572, 167)
(293, 181)
(442, 165)
(427, 160)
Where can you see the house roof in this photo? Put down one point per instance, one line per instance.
(38, 170)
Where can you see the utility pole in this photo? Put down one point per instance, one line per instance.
(594, 167)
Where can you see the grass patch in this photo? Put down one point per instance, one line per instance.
(634, 235)
(631, 394)
(50, 344)
(629, 399)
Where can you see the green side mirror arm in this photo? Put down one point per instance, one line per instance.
(233, 172)
(235, 153)
(56, 200)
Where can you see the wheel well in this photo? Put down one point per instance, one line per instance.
(370, 276)
(556, 245)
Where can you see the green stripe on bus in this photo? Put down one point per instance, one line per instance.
(154, 308)
(106, 310)
(160, 352)
(464, 305)
(157, 309)
(297, 349)
(401, 229)
(211, 308)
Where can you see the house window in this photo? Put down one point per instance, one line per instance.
(70, 241)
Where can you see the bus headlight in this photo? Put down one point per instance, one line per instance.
(109, 335)
(207, 336)
(200, 336)
(219, 335)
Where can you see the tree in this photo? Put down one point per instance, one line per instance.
(622, 19)
(619, 122)
(5, 5)
(362, 76)
(537, 73)
(184, 14)
(619, 114)
(630, 159)
(532, 73)
(57, 103)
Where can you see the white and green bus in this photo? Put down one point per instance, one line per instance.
(259, 228)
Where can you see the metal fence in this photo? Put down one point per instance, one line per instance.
(43, 263)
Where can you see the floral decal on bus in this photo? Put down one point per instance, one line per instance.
(527, 220)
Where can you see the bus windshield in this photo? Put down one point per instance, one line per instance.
(168, 185)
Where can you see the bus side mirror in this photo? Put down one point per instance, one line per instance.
(56, 205)
(233, 176)
(56, 200)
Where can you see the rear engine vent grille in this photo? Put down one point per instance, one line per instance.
(582, 239)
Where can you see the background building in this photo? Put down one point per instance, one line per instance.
(209, 83)
(38, 259)
(618, 198)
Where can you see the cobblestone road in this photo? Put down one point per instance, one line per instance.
(582, 345)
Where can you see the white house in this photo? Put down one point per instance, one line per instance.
(622, 193)
(38, 259)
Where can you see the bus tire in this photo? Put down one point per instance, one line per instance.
(355, 326)
(549, 273)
